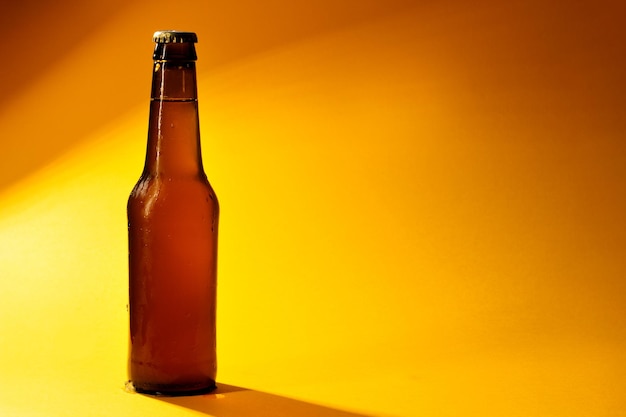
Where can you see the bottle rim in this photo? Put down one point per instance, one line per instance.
(174, 36)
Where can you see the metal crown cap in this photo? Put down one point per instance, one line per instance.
(174, 36)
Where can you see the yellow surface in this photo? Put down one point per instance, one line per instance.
(422, 207)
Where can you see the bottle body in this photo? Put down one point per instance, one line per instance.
(172, 224)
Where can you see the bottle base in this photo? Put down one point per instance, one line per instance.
(171, 390)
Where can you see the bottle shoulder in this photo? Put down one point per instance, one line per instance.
(164, 187)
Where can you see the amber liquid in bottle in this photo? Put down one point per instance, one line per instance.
(172, 226)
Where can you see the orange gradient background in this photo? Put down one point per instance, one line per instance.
(423, 203)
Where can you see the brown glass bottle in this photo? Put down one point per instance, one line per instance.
(172, 229)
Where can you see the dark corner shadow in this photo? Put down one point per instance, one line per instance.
(232, 401)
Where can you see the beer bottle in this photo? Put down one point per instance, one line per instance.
(172, 229)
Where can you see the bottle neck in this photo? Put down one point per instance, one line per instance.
(173, 132)
(174, 81)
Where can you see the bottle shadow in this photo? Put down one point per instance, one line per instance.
(233, 401)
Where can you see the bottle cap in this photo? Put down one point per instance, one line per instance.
(174, 36)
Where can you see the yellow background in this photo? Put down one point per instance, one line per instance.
(423, 204)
